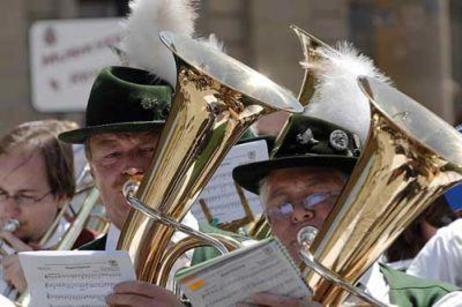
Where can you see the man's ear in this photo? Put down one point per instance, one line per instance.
(91, 170)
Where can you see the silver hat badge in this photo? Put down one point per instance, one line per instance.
(338, 139)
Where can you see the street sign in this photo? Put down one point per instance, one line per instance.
(65, 56)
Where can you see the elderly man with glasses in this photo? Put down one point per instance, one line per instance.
(299, 187)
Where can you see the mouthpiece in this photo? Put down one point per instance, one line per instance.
(11, 225)
(306, 235)
(130, 187)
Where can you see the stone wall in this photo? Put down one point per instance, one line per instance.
(409, 41)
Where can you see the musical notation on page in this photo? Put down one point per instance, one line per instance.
(74, 278)
(220, 195)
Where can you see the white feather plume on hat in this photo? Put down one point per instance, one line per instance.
(337, 97)
(141, 44)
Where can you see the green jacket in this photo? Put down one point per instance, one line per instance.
(407, 290)
(206, 253)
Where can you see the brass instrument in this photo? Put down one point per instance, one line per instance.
(411, 156)
(217, 99)
(79, 219)
(196, 238)
(305, 238)
(81, 188)
(11, 225)
(310, 48)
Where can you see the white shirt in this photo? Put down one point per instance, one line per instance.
(113, 235)
(375, 283)
(441, 257)
(453, 299)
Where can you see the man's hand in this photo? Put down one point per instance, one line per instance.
(13, 273)
(12, 270)
(140, 294)
(273, 300)
(16, 243)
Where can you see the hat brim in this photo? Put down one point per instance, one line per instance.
(249, 175)
(79, 136)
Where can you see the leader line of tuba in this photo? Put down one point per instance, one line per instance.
(410, 157)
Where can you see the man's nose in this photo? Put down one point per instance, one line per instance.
(11, 208)
(137, 163)
(133, 171)
(302, 215)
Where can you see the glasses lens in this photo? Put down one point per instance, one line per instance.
(286, 209)
(315, 199)
(24, 200)
(281, 212)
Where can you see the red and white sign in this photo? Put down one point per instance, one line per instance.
(65, 57)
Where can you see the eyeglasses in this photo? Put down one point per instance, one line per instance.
(22, 200)
(286, 209)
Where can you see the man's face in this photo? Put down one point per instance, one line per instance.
(299, 197)
(23, 177)
(114, 158)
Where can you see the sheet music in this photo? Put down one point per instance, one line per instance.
(220, 194)
(232, 278)
(5, 302)
(74, 278)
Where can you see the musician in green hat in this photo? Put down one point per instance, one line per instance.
(126, 112)
(299, 187)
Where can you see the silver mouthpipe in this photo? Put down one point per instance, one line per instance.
(305, 238)
(163, 219)
(11, 225)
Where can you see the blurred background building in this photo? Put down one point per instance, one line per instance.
(415, 42)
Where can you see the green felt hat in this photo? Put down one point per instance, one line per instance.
(309, 141)
(124, 99)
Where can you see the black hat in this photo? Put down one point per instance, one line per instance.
(124, 99)
(308, 142)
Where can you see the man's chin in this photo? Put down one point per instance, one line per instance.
(294, 251)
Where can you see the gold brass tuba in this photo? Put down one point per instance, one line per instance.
(217, 98)
(411, 156)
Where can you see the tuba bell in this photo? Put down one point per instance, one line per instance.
(411, 157)
(217, 98)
